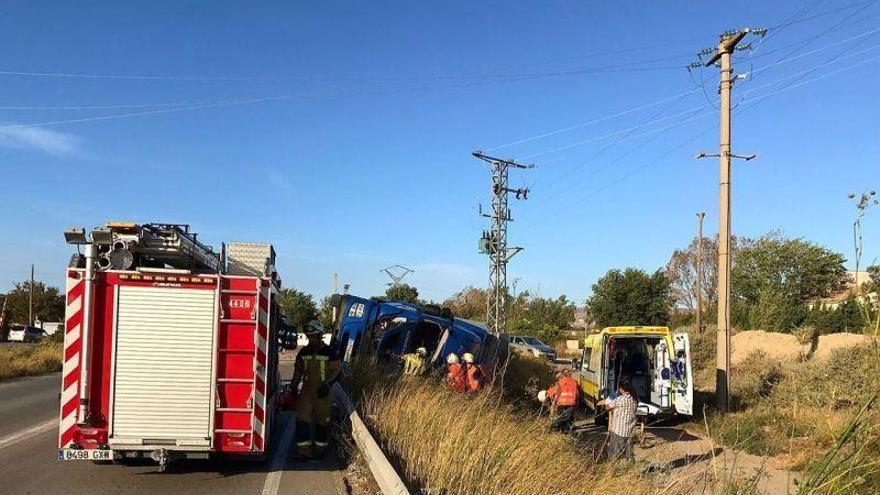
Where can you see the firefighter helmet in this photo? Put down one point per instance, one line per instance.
(314, 327)
(452, 358)
(468, 358)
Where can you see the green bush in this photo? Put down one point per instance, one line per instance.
(755, 379)
(846, 379)
(846, 317)
(775, 312)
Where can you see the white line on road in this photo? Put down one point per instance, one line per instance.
(273, 479)
(28, 433)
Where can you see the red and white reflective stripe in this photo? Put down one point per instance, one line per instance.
(70, 375)
(260, 363)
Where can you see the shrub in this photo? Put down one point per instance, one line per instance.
(775, 312)
(525, 377)
(754, 379)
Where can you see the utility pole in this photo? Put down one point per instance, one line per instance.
(724, 52)
(397, 273)
(699, 284)
(31, 299)
(494, 241)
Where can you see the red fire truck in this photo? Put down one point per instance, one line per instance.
(170, 349)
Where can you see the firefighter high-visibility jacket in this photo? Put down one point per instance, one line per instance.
(315, 366)
(473, 377)
(565, 392)
(413, 364)
(455, 377)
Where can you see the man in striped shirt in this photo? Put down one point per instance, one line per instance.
(623, 421)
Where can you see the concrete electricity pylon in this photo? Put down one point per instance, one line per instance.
(723, 53)
(397, 273)
(699, 284)
(494, 241)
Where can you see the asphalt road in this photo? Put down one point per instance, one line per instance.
(28, 462)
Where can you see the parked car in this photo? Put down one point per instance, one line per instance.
(21, 333)
(530, 346)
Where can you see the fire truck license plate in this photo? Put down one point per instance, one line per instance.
(85, 455)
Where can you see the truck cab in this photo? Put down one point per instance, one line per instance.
(656, 360)
(386, 330)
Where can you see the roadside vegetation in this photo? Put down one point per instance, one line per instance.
(809, 415)
(527, 314)
(30, 360)
(459, 444)
(489, 443)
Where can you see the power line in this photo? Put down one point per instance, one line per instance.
(426, 78)
(181, 107)
(592, 121)
(608, 146)
(663, 100)
(755, 102)
(98, 107)
(657, 133)
(840, 22)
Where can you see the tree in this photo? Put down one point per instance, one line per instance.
(773, 278)
(48, 303)
(682, 273)
(544, 318)
(845, 317)
(402, 293)
(774, 312)
(793, 268)
(326, 313)
(631, 297)
(297, 306)
(470, 303)
(873, 284)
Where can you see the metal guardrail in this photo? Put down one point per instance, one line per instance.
(383, 472)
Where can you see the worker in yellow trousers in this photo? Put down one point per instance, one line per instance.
(316, 369)
(414, 363)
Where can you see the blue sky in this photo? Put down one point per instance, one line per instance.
(342, 131)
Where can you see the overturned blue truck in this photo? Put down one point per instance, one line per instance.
(386, 330)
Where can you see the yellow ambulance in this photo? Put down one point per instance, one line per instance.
(655, 359)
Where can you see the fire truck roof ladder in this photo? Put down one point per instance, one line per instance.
(128, 246)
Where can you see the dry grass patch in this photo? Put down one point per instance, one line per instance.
(30, 360)
(457, 445)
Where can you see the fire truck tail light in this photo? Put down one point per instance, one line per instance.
(90, 437)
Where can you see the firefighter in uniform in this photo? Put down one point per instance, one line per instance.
(455, 374)
(317, 367)
(414, 363)
(563, 397)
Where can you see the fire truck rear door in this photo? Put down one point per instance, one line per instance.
(163, 366)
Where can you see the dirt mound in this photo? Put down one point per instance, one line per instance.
(786, 347)
(831, 342)
(776, 346)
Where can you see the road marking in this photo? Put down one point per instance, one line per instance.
(28, 433)
(273, 479)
